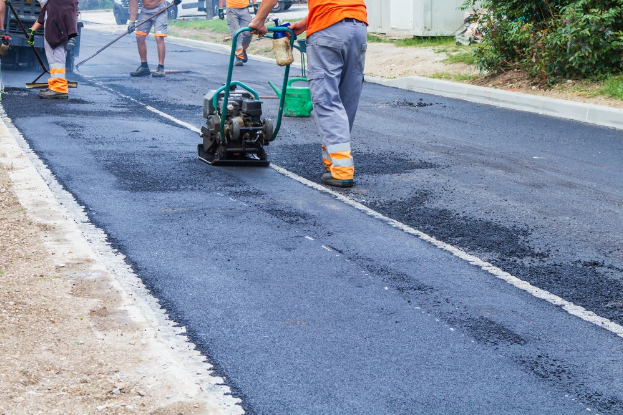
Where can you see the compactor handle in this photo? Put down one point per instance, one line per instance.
(228, 84)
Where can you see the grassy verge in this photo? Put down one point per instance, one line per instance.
(613, 87)
(458, 54)
(216, 25)
(417, 41)
(454, 77)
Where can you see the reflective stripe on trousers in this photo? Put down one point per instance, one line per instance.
(237, 18)
(336, 59)
(56, 59)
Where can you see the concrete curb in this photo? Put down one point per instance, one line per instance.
(588, 113)
(570, 110)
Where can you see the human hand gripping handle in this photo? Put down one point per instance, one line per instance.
(221, 13)
(131, 26)
(299, 27)
(259, 21)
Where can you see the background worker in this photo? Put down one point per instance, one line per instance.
(238, 16)
(336, 50)
(2, 14)
(160, 23)
(64, 14)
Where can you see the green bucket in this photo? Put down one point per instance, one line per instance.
(298, 99)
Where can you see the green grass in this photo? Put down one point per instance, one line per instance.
(613, 87)
(454, 77)
(461, 57)
(417, 41)
(218, 26)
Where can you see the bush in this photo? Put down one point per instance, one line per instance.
(552, 39)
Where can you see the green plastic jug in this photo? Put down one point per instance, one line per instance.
(298, 99)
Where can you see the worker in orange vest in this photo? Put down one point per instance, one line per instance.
(238, 16)
(336, 51)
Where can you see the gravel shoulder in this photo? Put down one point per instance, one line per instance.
(77, 330)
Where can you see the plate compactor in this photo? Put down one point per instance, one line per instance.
(236, 132)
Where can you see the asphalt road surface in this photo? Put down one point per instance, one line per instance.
(320, 301)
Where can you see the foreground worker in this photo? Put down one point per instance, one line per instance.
(160, 23)
(238, 16)
(64, 14)
(336, 50)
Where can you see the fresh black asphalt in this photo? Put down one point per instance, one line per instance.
(305, 304)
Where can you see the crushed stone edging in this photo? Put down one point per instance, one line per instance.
(47, 202)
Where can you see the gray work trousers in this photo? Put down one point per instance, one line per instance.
(237, 18)
(56, 60)
(336, 59)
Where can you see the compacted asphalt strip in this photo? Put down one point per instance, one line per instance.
(307, 304)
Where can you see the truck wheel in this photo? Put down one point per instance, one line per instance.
(119, 19)
(287, 6)
(279, 7)
(172, 12)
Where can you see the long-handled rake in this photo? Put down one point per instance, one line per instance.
(122, 35)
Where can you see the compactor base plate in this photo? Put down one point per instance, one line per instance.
(223, 157)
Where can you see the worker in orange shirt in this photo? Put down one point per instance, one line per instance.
(336, 51)
(238, 16)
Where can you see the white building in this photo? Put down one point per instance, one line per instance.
(415, 17)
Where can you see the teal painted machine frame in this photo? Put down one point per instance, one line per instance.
(229, 82)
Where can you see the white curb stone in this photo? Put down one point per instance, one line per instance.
(588, 113)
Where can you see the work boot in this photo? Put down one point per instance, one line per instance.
(49, 94)
(141, 71)
(328, 178)
(239, 62)
(245, 58)
(159, 73)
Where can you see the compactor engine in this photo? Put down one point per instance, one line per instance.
(244, 133)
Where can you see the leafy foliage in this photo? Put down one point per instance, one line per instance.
(552, 39)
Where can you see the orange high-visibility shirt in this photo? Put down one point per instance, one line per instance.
(237, 4)
(324, 13)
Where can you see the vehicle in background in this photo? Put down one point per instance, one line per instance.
(20, 52)
(121, 9)
(281, 5)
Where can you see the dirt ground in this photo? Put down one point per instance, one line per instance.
(73, 339)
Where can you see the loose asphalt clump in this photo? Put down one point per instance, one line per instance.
(561, 374)
(487, 331)
(289, 216)
(406, 103)
(572, 281)
(475, 235)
